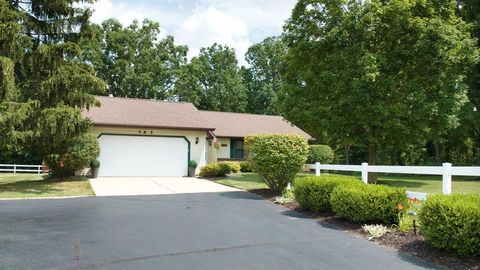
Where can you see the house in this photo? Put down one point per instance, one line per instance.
(140, 137)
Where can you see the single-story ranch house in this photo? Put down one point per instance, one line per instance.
(140, 137)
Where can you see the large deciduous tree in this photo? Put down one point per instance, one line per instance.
(262, 77)
(46, 83)
(384, 73)
(132, 60)
(212, 81)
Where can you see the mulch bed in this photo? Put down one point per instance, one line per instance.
(409, 243)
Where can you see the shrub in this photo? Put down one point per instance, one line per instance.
(313, 192)
(320, 153)
(368, 203)
(80, 152)
(232, 165)
(192, 164)
(452, 222)
(245, 166)
(95, 163)
(215, 170)
(375, 231)
(277, 158)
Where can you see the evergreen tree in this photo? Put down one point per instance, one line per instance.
(45, 77)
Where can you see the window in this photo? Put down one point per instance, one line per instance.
(236, 148)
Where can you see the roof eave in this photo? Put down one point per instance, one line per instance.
(96, 124)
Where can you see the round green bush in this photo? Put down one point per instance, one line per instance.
(192, 164)
(313, 192)
(245, 166)
(277, 158)
(320, 153)
(368, 203)
(452, 222)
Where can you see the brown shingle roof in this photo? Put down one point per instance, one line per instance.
(146, 113)
(242, 124)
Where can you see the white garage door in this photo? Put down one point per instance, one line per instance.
(142, 156)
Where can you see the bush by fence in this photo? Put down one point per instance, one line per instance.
(313, 192)
(368, 203)
(452, 222)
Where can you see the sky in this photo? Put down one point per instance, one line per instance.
(200, 23)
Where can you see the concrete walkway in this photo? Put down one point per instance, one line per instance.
(120, 186)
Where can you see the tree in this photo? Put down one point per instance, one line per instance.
(212, 81)
(132, 61)
(47, 85)
(384, 73)
(262, 78)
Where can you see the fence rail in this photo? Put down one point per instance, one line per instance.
(17, 168)
(446, 171)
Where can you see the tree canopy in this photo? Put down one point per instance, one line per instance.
(212, 81)
(47, 84)
(384, 73)
(132, 60)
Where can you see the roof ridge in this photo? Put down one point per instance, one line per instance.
(145, 99)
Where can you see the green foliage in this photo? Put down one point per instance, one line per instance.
(368, 203)
(245, 166)
(41, 113)
(80, 152)
(320, 153)
(132, 60)
(212, 81)
(262, 77)
(452, 222)
(215, 170)
(232, 165)
(383, 73)
(192, 164)
(313, 193)
(277, 158)
(375, 231)
(287, 197)
(95, 163)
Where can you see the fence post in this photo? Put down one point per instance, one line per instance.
(317, 168)
(447, 178)
(39, 168)
(365, 172)
(14, 168)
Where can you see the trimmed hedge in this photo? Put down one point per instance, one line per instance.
(215, 170)
(245, 166)
(277, 158)
(320, 153)
(368, 203)
(313, 192)
(452, 222)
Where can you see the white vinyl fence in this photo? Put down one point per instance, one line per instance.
(19, 168)
(447, 171)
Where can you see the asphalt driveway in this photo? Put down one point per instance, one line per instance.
(120, 186)
(223, 230)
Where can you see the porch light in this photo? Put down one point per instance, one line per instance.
(197, 140)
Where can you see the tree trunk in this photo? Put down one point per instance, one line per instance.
(437, 152)
(347, 154)
(372, 160)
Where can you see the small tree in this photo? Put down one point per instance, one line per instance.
(277, 158)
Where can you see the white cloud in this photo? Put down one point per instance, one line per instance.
(207, 27)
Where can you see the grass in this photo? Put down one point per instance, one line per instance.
(37, 185)
(428, 184)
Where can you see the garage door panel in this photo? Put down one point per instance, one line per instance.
(142, 156)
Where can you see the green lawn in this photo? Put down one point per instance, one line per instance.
(37, 185)
(429, 184)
